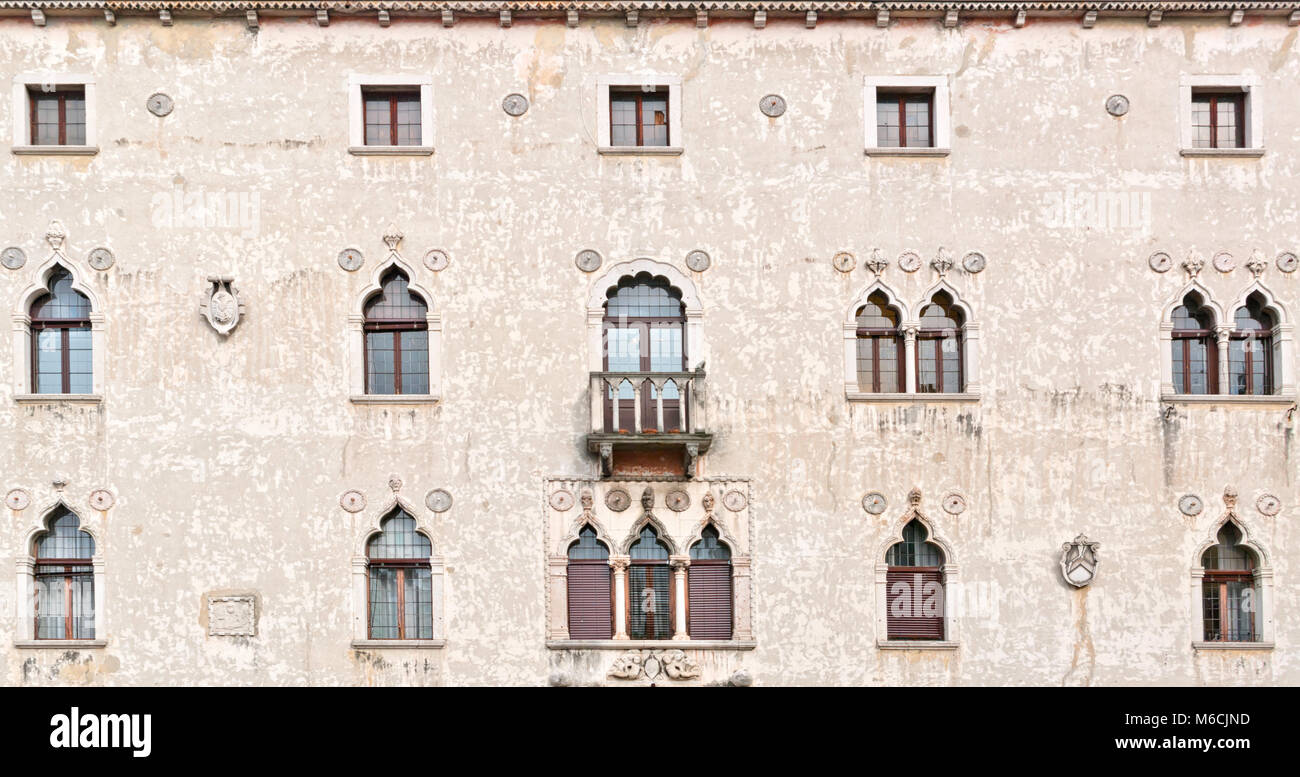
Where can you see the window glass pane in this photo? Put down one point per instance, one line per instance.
(75, 112)
(380, 369)
(419, 603)
(666, 355)
(887, 121)
(648, 547)
(1237, 379)
(1201, 122)
(710, 547)
(395, 301)
(383, 603)
(889, 351)
(83, 606)
(51, 607)
(408, 121)
(415, 362)
(64, 539)
(49, 361)
(917, 110)
(927, 376)
(643, 297)
(914, 550)
(588, 547)
(866, 367)
(654, 121)
(63, 302)
(398, 539)
(622, 128)
(79, 361)
(378, 121)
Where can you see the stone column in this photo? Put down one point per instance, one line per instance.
(101, 598)
(1221, 333)
(557, 581)
(26, 572)
(679, 564)
(909, 357)
(742, 595)
(356, 355)
(620, 564)
(360, 630)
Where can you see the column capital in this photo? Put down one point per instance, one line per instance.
(620, 563)
(679, 563)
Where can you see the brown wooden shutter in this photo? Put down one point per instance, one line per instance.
(708, 612)
(916, 620)
(591, 611)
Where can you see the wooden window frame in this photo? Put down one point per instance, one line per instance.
(34, 95)
(396, 328)
(876, 335)
(64, 326)
(401, 565)
(1182, 337)
(883, 95)
(1221, 579)
(1238, 99)
(393, 95)
(940, 335)
(1248, 360)
(67, 574)
(617, 93)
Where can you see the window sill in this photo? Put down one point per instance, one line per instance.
(640, 150)
(393, 399)
(915, 644)
(55, 150)
(1232, 645)
(907, 151)
(399, 644)
(644, 644)
(390, 150)
(58, 399)
(63, 644)
(1258, 400)
(1223, 152)
(867, 396)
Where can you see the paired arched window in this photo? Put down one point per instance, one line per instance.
(397, 338)
(939, 336)
(61, 339)
(590, 588)
(914, 586)
(650, 587)
(880, 346)
(1195, 352)
(708, 587)
(400, 580)
(645, 331)
(1250, 349)
(64, 580)
(1229, 598)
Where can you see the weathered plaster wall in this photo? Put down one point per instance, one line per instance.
(227, 457)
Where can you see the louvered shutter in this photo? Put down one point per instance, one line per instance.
(591, 614)
(708, 586)
(914, 603)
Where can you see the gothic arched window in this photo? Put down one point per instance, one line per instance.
(1195, 352)
(61, 339)
(880, 347)
(400, 580)
(1250, 349)
(397, 338)
(64, 581)
(590, 588)
(939, 347)
(1229, 598)
(650, 588)
(915, 591)
(708, 587)
(644, 329)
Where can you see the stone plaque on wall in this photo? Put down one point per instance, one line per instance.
(232, 616)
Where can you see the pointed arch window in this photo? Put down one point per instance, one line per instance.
(590, 588)
(1195, 351)
(399, 581)
(397, 338)
(61, 339)
(1229, 597)
(709, 588)
(939, 347)
(650, 591)
(644, 332)
(915, 587)
(879, 346)
(1250, 349)
(64, 580)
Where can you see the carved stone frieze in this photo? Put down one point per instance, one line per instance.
(653, 665)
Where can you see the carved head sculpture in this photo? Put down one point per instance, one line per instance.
(1230, 497)
(707, 501)
(586, 499)
(647, 498)
(914, 497)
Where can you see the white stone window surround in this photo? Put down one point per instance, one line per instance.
(25, 567)
(357, 119)
(910, 323)
(941, 112)
(951, 588)
(24, 391)
(357, 340)
(361, 583)
(603, 118)
(1283, 333)
(1263, 588)
(1253, 121)
(22, 141)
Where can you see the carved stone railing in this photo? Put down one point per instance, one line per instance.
(647, 417)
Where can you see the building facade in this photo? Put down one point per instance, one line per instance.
(468, 343)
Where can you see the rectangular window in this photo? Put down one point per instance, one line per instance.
(638, 116)
(1218, 120)
(58, 116)
(392, 117)
(904, 119)
(1228, 605)
(65, 601)
(401, 602)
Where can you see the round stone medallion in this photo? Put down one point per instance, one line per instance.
(439, 500)
(909, 261)
(698, 261)
(13, 258)
(677, 500)
(160, 104)
(1160, 261)
(1190, 504)
(437, 260)
(973, 262)
(352, 501)
(954, 504)
(561, 501)
(874, 503)
(1268, 504)
(17, 499)
(1286, 261)
(101, 499)
(515, 104)
(618, 500)
(100, 258)
(735, 501)
(350, 259)
(843, 261)
(1117, 105)
(588, 260)
(772, 105)
(1223, 262)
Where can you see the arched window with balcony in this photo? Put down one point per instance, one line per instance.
(644, 331)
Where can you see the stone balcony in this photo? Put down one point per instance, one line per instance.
(655, 426)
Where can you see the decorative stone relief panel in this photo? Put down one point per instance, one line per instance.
(232, 616)
(222, 306)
